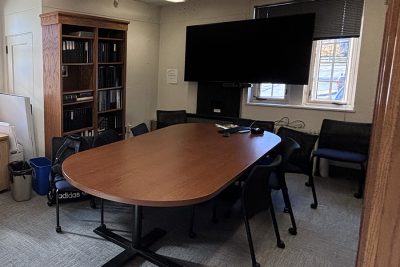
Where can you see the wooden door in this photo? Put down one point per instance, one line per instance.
(20, 64)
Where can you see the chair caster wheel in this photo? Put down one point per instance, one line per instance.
(292, 231)
(307, 184)
(285, 210)
(357, 195)
(314, 206)
(256, 264)
(49, 204)
(192, 235)
(280, 244)
(58, 229)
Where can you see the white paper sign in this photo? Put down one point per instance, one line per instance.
(172, 76)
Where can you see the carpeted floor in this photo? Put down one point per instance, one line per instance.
(326, 237)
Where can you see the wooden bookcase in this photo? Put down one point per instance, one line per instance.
(84, 74)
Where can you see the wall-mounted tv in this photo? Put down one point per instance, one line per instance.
(276, 50)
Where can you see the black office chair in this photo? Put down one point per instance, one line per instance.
(265, 125)
(346, 142)
(170, 117)
(62, 148)
(300, 161)
(106, 137)
(256, 192)
(139, 129)
(277, 179)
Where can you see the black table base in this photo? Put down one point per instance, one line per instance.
(138, 246)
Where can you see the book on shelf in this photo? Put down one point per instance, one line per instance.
(77, 118)
(87, 133)
(85, 98)
(109, 76)
(76, 51)
(109, 100)
(77, 97)
(107, 122)
(108, 52)
(82, 34)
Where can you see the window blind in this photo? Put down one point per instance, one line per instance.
(333, 18)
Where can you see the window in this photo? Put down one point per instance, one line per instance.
(332, 79)
(271, 91)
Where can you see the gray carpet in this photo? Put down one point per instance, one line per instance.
(327, 236)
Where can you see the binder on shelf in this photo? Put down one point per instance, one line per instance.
(109, 76)
(110, 121)
(76, 51)
(108, 52)
(77, 97)
(109, 100)
(77, 118)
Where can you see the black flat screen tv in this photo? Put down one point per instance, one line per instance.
(276, 50)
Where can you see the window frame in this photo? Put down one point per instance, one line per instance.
(309, 90)
(256, 98)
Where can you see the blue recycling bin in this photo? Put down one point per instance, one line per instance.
(41, 168)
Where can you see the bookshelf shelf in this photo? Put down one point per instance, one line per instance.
(111, 63)
(79, 64)
(110, 88)
(77, 102)
(85, 59)
(77, 91)
(67, 36)
(78, 131)
(110, 111)
(110, 39)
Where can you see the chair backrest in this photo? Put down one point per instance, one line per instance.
(57, 142)
(170, 117)
(139, 129)
(342, 135)
(256, 188)
(265, 125)
(300, 157)
(106, 137)
(286, 149)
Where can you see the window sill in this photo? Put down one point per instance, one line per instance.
(304, 106)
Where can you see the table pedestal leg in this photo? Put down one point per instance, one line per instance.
(138, 246)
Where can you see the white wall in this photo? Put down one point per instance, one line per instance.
(18, 17)
(142, 52)
(175, 18)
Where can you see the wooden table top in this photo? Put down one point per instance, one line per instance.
(3, 137)
(178, 165)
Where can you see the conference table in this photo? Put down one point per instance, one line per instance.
(180, 165)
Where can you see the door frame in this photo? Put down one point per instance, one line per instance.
(379, 241)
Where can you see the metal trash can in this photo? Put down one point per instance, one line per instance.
(21, 180)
